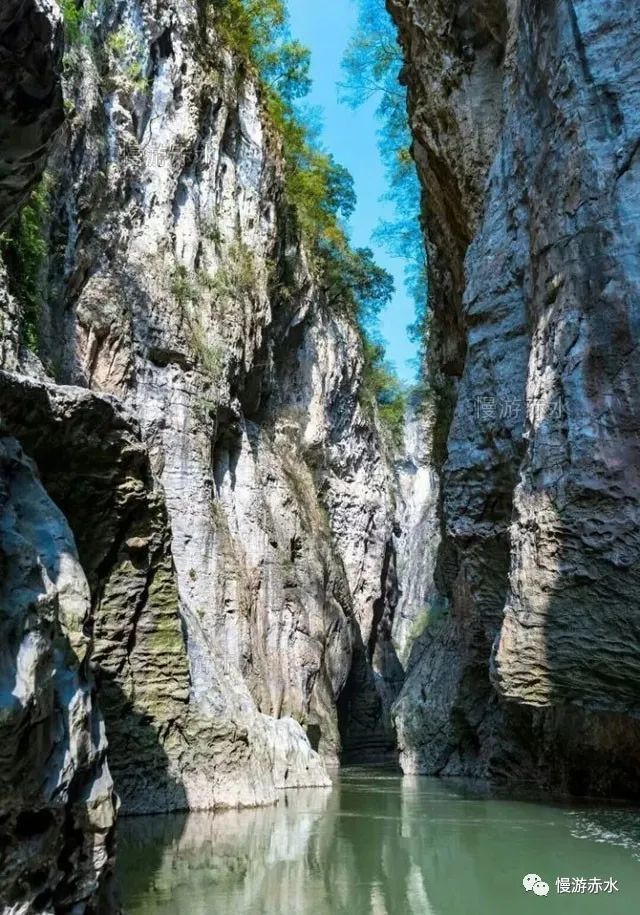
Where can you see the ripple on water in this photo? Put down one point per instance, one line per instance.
(618, 827)
(380, 844)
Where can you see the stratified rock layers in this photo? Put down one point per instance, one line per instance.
(526, 121)
(57, 806)
(195, 411)
(56, 801)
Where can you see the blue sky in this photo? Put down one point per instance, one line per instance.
(326, 26)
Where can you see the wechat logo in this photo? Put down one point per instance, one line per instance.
(534, 883)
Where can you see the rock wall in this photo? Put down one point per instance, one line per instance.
(31, 45)
(419, 533)
(57, 806)
(194, 409)
(526, 132)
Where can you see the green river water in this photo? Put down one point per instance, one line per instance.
(380, 844)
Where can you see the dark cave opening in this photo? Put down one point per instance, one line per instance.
(374, 682)
(364, 722)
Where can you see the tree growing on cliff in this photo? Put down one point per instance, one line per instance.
(23, 248)
(372, 64)
(319, 191)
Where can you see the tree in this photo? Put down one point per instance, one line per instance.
(286, 70)
(371, 65)
(382, 385)
(341, 193)
(352, 275)
(318, 189)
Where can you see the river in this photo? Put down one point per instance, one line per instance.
(380, 844)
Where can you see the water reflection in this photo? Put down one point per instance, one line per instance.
(381, 845)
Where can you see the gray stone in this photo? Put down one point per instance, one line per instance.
(57, 807)
(230, 495)
(526, 123)
(31, 44)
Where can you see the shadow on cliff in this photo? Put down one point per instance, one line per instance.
(570, 640)
(90, 463)
(374, 682)
(151, 783)
(138, 762)
(568, 664)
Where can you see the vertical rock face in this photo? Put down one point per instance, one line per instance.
(31, 45)
(56, 803)
(187, 295)
(30, 95)
(57, 807)
(195, 412)
(420, 535)
(526, 124)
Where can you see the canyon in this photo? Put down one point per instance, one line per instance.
(219, 577)
(526, 122)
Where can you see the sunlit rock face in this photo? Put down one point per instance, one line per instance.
(187, 296)
(419, 535)
(57, 807)
(526, 122)
(195, 411)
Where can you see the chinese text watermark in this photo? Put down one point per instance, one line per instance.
(533, 883)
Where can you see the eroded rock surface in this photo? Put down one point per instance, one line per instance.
(194, 408)
(526, 125)
(57, 807)
(31, 45)
(419, 534)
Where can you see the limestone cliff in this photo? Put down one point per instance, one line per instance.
(526, 128)
(57, 807)
(193, 403)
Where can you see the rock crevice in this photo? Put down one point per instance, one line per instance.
(522, 126)
(195, 407)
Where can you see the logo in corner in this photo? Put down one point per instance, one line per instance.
(533, 883)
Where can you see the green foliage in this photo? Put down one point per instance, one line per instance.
(212, 359)
(75, 15)
(381, 385)
(125, 50)
(188, 292)
(340, 190)
(117, 42)
(372, 64)
(353, 275)
(183, 289)
(236, 276)
(72, 18)
(319, 191)
(286, 70)
(257, 30)
(248, 26)
(211, 356)
(135, 76)
(24, 249)
(211, 232)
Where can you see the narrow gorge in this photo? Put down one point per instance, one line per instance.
(224, 571)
